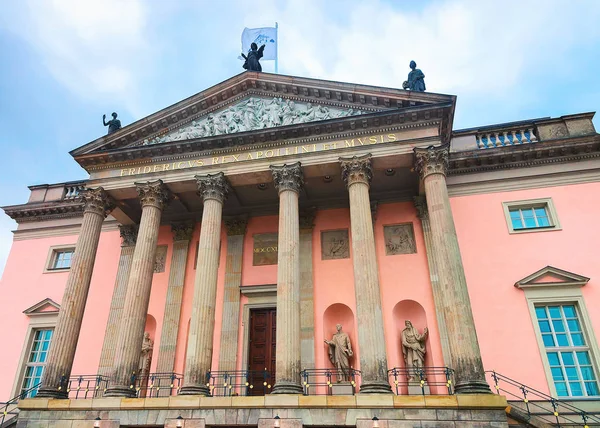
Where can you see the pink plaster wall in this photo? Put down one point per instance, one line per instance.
(494, 260)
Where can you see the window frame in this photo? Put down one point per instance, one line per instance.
(563, 295)
(37, 321)
(53, 255)
(532, 203)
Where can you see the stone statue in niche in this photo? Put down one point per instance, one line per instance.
(413, 349)
(416, 79)
(145, 361)
(113, 125)
(340, 352)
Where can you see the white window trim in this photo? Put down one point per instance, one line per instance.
(527, 203)
(563, 295)
(52, 257)
(37, 321)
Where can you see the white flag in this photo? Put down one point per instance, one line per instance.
(261, 36)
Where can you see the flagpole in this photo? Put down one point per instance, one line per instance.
(276, 48)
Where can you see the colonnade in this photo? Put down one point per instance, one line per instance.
(450, 289)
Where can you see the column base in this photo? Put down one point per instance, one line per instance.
(120, 391)
(287, 387)
(195, 390)
(375, 387)
(52, 393)
(472, 387)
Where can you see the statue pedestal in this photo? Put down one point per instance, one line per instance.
(342, 388)
(414, 388)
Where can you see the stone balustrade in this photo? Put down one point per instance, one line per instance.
(73, 190)
(506, 137)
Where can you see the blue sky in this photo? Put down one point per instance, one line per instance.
(65, 63)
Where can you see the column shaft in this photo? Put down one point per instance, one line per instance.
(213, 189)
(373, 361)
(107, 356)
(182, 234)
(231, 304)
(456, 305)
(153, 196)
(288, 180)
(66, 334)
(307, 310)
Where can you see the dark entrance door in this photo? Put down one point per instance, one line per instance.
(261, 355)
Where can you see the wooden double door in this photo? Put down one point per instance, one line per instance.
(262, 346)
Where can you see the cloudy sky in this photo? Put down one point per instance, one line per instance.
(65, 63)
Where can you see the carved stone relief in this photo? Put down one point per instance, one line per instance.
(399, 239)
(265, 249)
(335, 244)
(251, 114)
(160, 259)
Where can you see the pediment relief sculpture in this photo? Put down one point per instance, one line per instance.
(251, 114)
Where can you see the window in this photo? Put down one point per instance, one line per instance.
(531, 216)
(36, 361)
(567, 351)
(60, 258)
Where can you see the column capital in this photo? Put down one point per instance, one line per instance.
(307, 218)
(357, 169)
(97, 201)
(153, 193)
(236, 226)
(288, 177)
(128, 234)
(431, 160)
(182, 231)
(212, 186)
(421, 206)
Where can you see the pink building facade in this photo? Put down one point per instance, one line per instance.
(240, 226)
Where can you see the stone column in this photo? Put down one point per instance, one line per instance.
(154, 196)
(236, 228)
(357, 173)
(438, 299)
(307, 310)
(107, 356)
(97, 205)
(182, 234)
(432, 164)
(288, 180)
(213, 188)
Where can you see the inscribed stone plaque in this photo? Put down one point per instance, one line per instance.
(265, 249)
(399, 239)
(160, 259)
(335, 244)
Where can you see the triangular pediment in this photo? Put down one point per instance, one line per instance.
(44, 307)
(552, 277)
(254, 113)
(314, 101)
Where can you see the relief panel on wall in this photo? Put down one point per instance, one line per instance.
(335, 244)
(399, 239)
(161, 259)
(265, 249)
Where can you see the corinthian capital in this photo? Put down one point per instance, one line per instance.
(128, 234)
(154, 193)
(97, 201)
(421, 206)
(236, 225)
(357, 169)
(431, 160)
(213, 186)
(182, 231)
(288, 177)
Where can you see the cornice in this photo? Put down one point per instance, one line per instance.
(541, 153)
(26, 212)
(313, 132)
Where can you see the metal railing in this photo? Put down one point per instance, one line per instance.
(87, 386)
(325, 381)
(158, 385)
(423, 381)
(535, 404)
(239, 382)
(10, 407)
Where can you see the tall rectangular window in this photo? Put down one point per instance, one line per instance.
(567, 350)
(36, 361)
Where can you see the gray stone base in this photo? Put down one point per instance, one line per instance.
(375, 387)
(286, 387)
(194, 390)
(120, 391)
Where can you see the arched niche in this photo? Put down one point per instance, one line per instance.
(150, 327)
